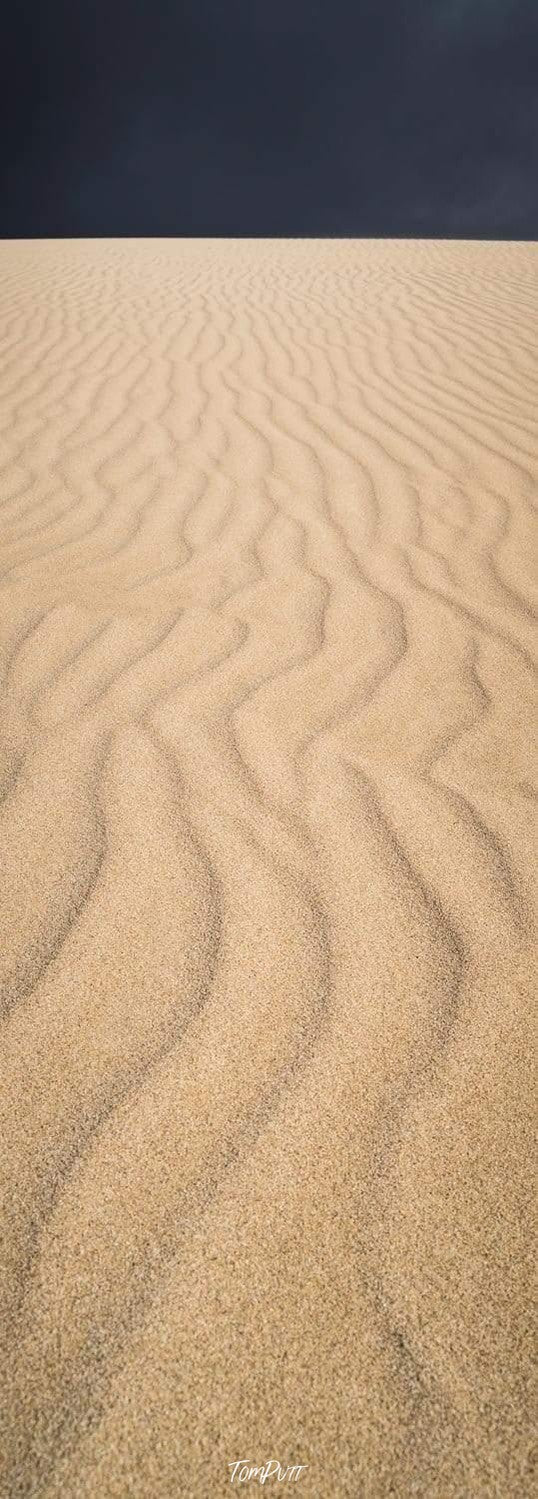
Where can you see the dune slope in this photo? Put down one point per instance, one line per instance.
(267, 825)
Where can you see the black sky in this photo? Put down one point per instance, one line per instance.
(270, 117)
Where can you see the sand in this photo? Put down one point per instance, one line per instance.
(267, 833)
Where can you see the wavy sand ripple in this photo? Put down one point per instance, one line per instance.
(267, 828)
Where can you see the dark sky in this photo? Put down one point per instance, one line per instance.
(270, 117)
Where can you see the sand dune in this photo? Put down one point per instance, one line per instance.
(267, 829)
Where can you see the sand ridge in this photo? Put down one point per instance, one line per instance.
(267, 829)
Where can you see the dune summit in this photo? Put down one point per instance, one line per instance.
(267, 831)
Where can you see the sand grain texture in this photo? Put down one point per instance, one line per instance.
(267, 827)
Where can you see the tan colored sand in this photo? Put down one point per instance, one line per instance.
(267, 850)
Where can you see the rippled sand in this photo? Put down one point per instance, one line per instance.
(267, 838)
